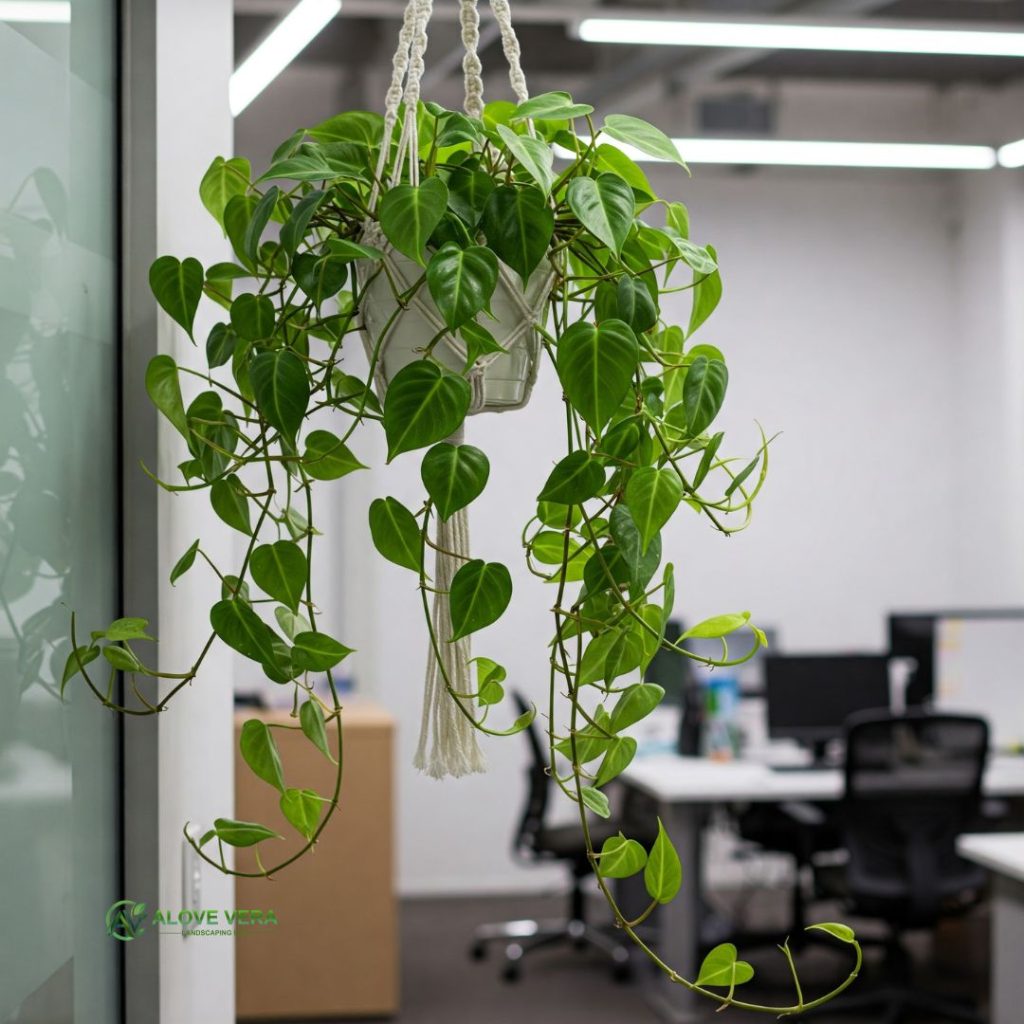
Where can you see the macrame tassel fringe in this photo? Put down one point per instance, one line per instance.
(448, 742)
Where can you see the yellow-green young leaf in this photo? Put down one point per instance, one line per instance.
(635, 703)
(396, 534)
(663, 874)
(121, 658)
(652, 495)
(707, 459)
(410, 213)
(489, 677)
(227, 496)
(242, 833)
(576, 479)
(317, 652)
(130, 628)
(616, 761)
(223, 180)
(454, 476)
(327, 457)
(721, 969)
(184, 563)
(621, 857)
(717, 626)
(479, 594)
(281, 571)
(281, 388)
(552, 106)
(302, 808)
(557, 515)
(518, 225)
(595, 366)
(605, 206)
(311, 718)
(643, 136)
(596, 801)
(423, 405)
(259, 751)
(739, 479)
(611, 158)
(842, 932)
(164, 392)
(178, 287)
(291, 623)
(533, 154)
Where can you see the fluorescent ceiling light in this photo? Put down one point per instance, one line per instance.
(54, 12)
(1012, 154)
(781, 35)
(289, 38)
(913, 155)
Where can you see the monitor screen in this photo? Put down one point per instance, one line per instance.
(811, 696)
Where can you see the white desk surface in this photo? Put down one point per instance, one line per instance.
(675, 779)
(1001, 852)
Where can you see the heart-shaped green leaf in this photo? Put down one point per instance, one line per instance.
(311, 718)
(260, 753)
(396, 534)
(327, 457)
(533, 154)
(178, 287)
(596, 801)
(616, 761)
(227, 496)
(423, 405)
(242, 833)
(318, 652)
(184, 563)
(320, 277)
(663, 875)
(605, 207)
(652, 495)
(454, 476)
(282, 571)
(468, 192)
(253, 317)
(302, 808)
(576, 479)
(462, 281)
(479, 594)
(704, 392)
(164, 392)
(643, 136)
(634, 304)
(518, 225)
(410, 213)
(843, 932)
(223, 180)
(721, 969)
(707, 293)
(595, 366)
(634, 704)
(261, 214)
(707, 459)
(281, 388)
(242, 629)
(552, 106)
(294, 229)
(621, 857)
(718, 626)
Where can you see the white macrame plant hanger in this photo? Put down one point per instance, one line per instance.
(501, 381)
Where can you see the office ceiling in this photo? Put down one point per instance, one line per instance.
(359, 39)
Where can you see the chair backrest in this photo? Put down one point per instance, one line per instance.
(538, 784)
(913, 784)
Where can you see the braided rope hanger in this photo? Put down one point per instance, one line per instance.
(448, 741)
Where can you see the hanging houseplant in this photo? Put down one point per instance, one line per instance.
(463, 256)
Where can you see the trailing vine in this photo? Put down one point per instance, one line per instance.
(277, 412)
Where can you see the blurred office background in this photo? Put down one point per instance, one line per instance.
(874, 316)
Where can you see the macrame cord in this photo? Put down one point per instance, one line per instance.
(448, 741)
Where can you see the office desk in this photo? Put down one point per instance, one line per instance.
(684, 787)
(1003, 855)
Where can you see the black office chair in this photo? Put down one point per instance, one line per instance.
(913, 785)
(537, 841)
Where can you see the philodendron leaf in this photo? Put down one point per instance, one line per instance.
(704, 392)
(396, 534)
(223, 180)
(242, 629)
(576, 479)
(663, 875)
(242, 833)
(616, 761)
(518, 225)
(634, 704)
(423, 405)
(291, 623)
(605, 206)
(311, 718)
(468, 192)
(130, 628)
(489, 677)
(634, 304)
(552, 106)
(318, 652)
(462, 281)
(409, 215)
(282, 571)
(621, 857)
(718, 626)
(261, 214)
(479, 594)
(596, 801)
(77, 659)
(281, 388)
(259, 751)
(721, 969)
(454, 476)
(227, 496)
(294, 230)
(707, 459)
(595, 366)
(327, 457)
(629, 544)
(178, 287)
(535, 155)
(843, 932)
(643, 136)
(652, 495)
(302, 808)
(164, 392)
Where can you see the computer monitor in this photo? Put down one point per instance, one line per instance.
(913, 635)
(811, 696)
